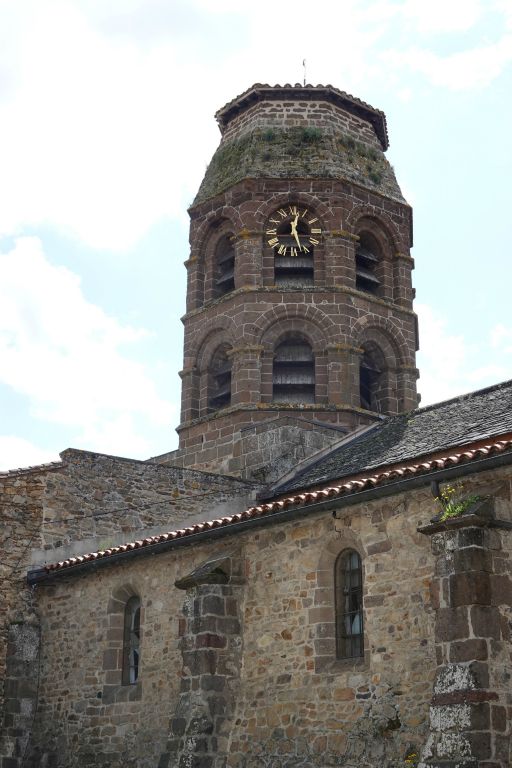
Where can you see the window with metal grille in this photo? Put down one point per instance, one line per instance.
(293, 378)
(349, 605)
(131, 641)
(224, 266)
(219, 381)
(367, 260)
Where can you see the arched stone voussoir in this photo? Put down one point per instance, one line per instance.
(306, 199)
(221, 335)
(315, 324)
(217, 224)
(384, 334)
(381, 224)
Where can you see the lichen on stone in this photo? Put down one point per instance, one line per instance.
(297, 152)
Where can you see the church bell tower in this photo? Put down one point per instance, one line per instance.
(299, 325)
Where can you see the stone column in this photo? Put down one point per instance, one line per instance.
(402, 267)
(246, 375)
(195, 283)
(21, 692)
(340, 267)
(248, 266)
(343, 374)
(406, 377)
(468, 715)
(211, 646)
(189, 394)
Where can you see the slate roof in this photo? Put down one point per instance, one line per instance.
(460, 421)
(401, 448)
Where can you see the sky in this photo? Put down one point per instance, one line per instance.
(106, 128)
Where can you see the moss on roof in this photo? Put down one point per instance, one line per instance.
(298, 152)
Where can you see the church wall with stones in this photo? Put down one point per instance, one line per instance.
(291, 692)
(93, 501)
(290, 699)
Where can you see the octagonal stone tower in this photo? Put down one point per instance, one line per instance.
(299, 325)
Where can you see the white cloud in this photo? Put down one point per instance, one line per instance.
(450, 365)
(442, 16)
(501, 338)
(93, 136)
(67, 356)
(17, 452)
(106, 107)
(474, 68)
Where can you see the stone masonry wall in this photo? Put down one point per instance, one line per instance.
(298, 139)
(106, 497)
(20, 529)
(472, 595)
(295, 701)
(336, 318)
(93, 501)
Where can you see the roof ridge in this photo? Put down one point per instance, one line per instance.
(457, 398)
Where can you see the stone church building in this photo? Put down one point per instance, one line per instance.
(320, 574)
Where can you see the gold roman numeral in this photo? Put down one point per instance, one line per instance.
(275, 221)
(271, 231)
(304, 213)
(273, 241)
(305, 249)
(313, 241)
(316, 231)
(282, 213)
(293, 251)
(312, 221)
(282, 250)
(293, 210)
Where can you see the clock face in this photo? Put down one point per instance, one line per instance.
(293, 231)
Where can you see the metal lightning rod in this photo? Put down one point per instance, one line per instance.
(304, 65)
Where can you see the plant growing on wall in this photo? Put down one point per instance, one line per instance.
(453, 503)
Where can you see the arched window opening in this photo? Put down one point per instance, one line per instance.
(349, 605)
(294, 372)
(367, 260)
(219, 381)
(293, 237)
(131, 641)
(369, 382)
(224, 266)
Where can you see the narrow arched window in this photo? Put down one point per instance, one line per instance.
(367, 261)
(224, 278)
(131, 641)
(369, 380)
(219, 381)
(293, 377)
(349, 605)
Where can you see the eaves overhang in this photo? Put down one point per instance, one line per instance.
(381, 484)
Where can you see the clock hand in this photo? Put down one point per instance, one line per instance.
(293, 225)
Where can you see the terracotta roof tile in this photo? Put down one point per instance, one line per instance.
(346, 488)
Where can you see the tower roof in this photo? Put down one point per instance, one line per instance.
(264, 92)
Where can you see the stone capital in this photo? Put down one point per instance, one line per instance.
(250, 349)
